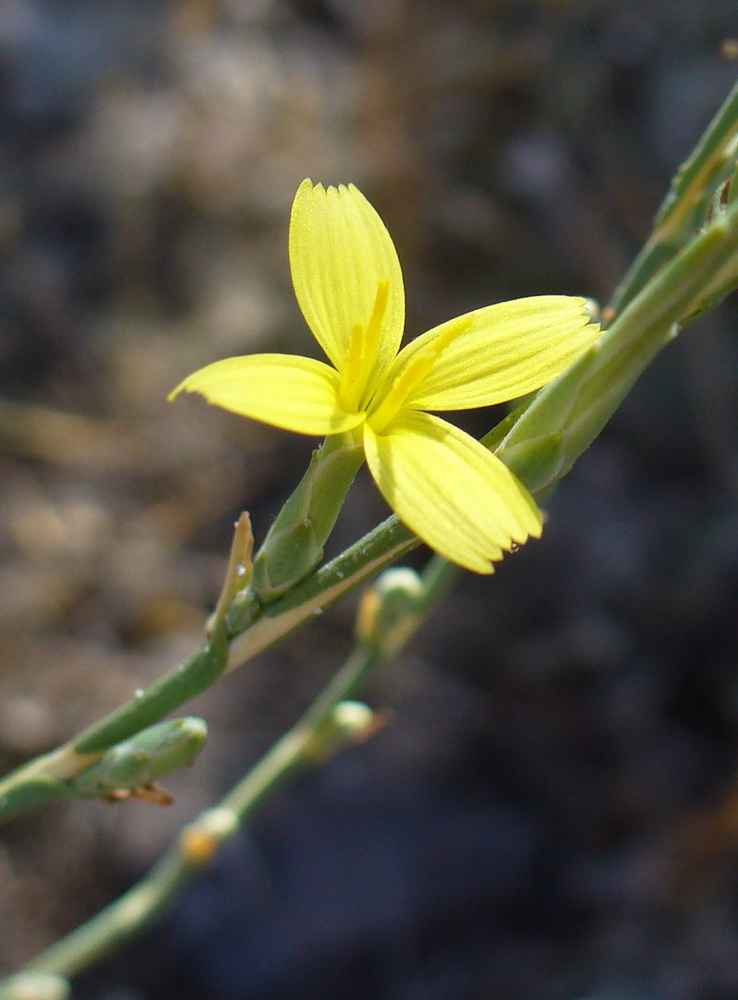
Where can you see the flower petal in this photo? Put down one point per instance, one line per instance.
(447, 488)
(294, 393)
(339, 252)
(508, 350)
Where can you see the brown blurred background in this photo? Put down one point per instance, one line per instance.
(552, 812)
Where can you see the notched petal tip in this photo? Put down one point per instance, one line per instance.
(339, 252)
(189, 384)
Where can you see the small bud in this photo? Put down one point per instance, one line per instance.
(387, 608)
(200, 840)
(142, 759)
(349, 723)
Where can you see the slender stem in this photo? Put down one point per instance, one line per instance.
(197, 843)
(192, 850)
(44, 778)
(568, 414)
(683, 209)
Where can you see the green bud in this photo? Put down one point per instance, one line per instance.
(349, 723)
(142, 759)
(294, 545)
(388, 608)
(287, 557)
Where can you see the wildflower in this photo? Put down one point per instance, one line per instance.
(443, 484)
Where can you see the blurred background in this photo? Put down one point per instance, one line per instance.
(553, 811)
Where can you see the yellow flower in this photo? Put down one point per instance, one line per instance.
(443, 484)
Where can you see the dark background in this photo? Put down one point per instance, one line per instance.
(553, 812)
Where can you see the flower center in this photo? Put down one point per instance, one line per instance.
(362, 353)
(387, 405)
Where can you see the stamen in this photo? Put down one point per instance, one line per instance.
(409, 377)
(350, 391)
(362, 353)
(374, 326)
(402, 385)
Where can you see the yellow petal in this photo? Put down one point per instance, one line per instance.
(296, 394)
(448, 489)
(508, 350)
(340, 251)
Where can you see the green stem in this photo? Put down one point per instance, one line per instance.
(45, 778)
(194, 848)
(683, 209)
(138, 907)
(437, 579)
(568, 414)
